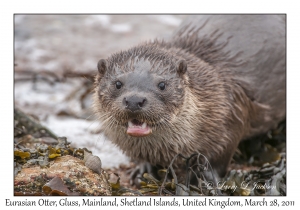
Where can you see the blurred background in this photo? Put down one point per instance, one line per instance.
(55, 58)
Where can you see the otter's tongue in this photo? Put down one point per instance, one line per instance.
(138, 129)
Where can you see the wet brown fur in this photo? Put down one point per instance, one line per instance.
(212, 111)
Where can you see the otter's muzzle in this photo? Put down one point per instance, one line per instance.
(134, 103)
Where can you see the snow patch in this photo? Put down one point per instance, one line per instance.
(80, 134)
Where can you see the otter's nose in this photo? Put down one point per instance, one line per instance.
(134, 103)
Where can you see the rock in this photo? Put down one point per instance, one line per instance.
(77, 178)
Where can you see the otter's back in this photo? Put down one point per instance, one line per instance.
(258, 41)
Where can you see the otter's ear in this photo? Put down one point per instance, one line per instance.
(102, 66)
(181, 67)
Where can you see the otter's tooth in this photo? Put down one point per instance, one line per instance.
(144, 125)
(130, 124)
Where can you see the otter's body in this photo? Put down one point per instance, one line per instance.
(218, 80)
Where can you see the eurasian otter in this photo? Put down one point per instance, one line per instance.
(219, 79)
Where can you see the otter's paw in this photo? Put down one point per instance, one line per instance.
(137, 173)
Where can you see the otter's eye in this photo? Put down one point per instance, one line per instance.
(118, 85)
(162, 85)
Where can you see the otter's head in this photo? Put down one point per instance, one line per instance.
(140, 91)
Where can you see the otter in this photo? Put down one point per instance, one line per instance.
(218, 80)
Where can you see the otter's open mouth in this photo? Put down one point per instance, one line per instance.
(137, 128)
